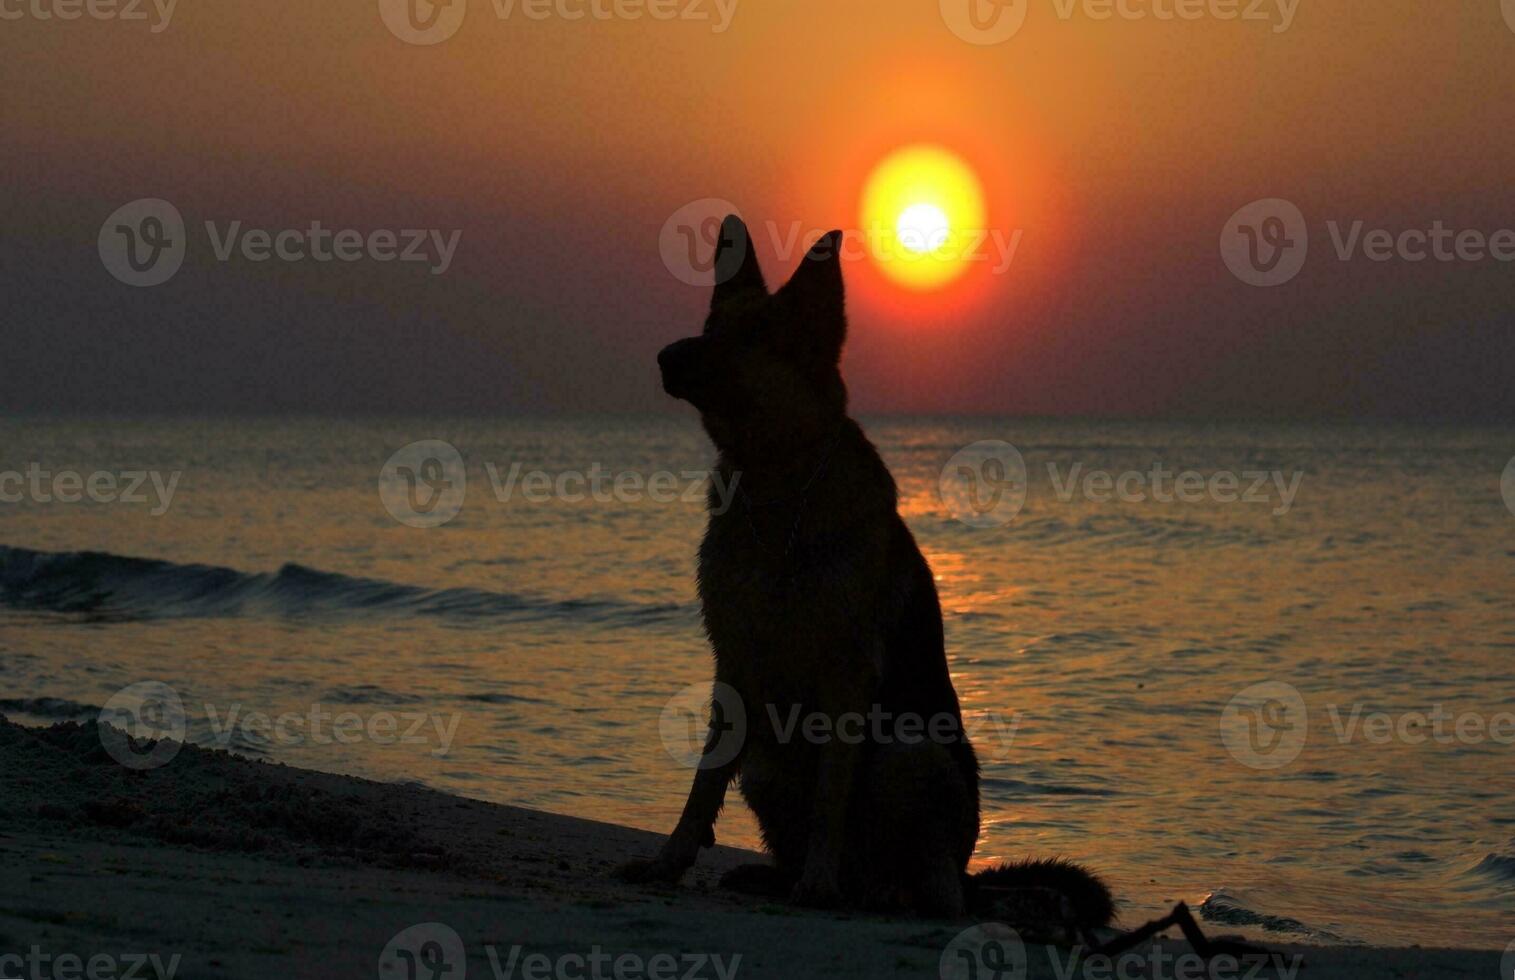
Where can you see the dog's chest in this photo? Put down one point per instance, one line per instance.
(781, 622)
(750, 596)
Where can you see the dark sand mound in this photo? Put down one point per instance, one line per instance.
(62, 780)
(205, 799)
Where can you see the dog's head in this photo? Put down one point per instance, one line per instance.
(767, 365)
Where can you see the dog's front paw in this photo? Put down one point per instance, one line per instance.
(816, 891)
(656, 871)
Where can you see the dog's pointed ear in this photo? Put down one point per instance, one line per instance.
(736, 264)
(815, 298)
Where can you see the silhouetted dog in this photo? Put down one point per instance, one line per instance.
(819, 605)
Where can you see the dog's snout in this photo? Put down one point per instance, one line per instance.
(676, 354)
(677, 364)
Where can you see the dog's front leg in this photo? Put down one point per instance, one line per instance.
(819, 885)
(696, 827)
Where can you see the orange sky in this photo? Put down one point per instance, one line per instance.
(559, 147)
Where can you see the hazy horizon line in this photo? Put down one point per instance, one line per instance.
(22, 415)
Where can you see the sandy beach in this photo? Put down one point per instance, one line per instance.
(237, 868)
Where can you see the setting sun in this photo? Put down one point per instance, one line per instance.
(923, 227)
(924, 217)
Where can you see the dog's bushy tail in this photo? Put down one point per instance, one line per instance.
(1063, 889)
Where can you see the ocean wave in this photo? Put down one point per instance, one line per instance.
(1498, 868)
(57, 708)
(367, 694)
(1226, 909)
(114, 587)
(1003, 788)
(1141, 531)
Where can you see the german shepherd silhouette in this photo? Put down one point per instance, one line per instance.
(818, 603)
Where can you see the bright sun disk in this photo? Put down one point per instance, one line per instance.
(923, 216)
(923, 228)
